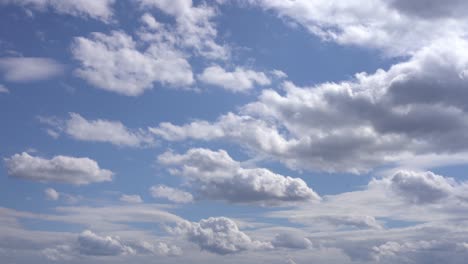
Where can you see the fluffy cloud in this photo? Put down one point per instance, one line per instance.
(375, 23)
(97, 9)
(219, 235)
(215, 175)
(131, 198)
(171, 194)
(194, 28)
(113, 62)
(98, 130)
(92, 244)
(51, 194)
(413, 109)
(62, 169)
(420, 187)
(240, 80)
(28, 69)
(290, 240)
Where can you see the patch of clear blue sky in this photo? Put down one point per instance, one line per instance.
(260, 40)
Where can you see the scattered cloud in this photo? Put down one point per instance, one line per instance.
(171, 194)
(114, 63)
(61, 169)
(51, 194)
(29, 69)
(239, 80)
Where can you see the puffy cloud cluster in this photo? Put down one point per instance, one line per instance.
(97, 9)
(219, 235)
(240, 80)
(411, 110)
(215, 175)
(62, 169)
(120, 63)
(114, 63)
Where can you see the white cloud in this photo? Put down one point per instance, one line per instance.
(131, 198)
(194, 27)
(375, 23)
(114, 63)
(98, 130)
(414, 109)
(291, 240)
(215, 175)
(420, 187)
(62, 169)
(51, 194)
(92, 244)
(29, 69)
(239, 80)
(219, 235)
(97, 9)
(4, 89)
(159, 248)
(171, 194)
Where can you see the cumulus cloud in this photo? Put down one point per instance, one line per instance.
(215, 175)
(194, 28)
(171, 194)
(420, 187)
(51, 194)
(97, 9)
(239, 80)
(131, 198)
(92, 244)
(413, 109)
(61, 169)
(29, 69)
(291, 240)
(114, 63)
(98, 130)
(219, 235)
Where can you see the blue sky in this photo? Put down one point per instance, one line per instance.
(247, 131)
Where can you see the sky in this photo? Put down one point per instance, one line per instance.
(242, 131)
